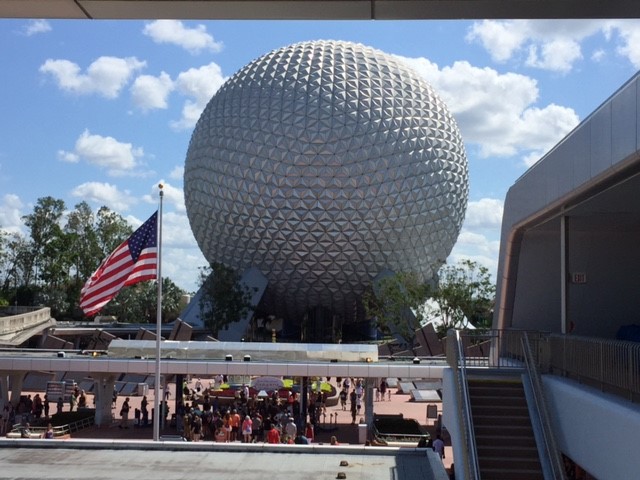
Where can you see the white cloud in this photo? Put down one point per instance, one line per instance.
(199, 84)
(554, 45)
(181, 255)
(545, 44)
(515, 127)
(598, 55)
(557, 55)
(177, 173)
(629, 32)
(149, 92)
(174, 32)
(500, 39)
(106, 76)
(172, 195)
(11, 213)
(37, 26)
(484, 213)
(116, 157)
(104, 194)
(69, 157)
(478, 248)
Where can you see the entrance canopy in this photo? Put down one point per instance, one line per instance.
(262, 352)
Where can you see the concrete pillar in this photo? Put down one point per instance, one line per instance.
(4, 389)
(16, 379)
(370, 384)
(103, 391)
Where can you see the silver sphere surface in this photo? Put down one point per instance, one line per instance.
(322, 164)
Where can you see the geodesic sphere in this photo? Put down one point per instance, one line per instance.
(322, 164)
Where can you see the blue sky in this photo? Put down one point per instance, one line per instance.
(103, 111)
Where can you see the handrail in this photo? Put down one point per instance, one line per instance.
(456, 359)
(60, 430)
(548, 437)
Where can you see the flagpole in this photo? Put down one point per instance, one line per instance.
(156, 397)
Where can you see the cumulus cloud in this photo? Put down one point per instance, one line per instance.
(516, 127)
(545, 44)
(476, 247)
(172, 195)
(484, 213)
(118, 158)
(104, 194)
(177, 173)
(554, 45)
(106, 76)
(174, 32)
(199, 84)
(629, 34)
(11, 213)
(35, 27)
(150, 93)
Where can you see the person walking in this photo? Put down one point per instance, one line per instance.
(124, 414)
(438, 447)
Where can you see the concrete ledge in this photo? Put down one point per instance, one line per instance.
(94, 444)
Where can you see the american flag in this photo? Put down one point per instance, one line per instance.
(135, 260)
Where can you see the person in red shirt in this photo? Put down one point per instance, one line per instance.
(273, 435)
(308, 432)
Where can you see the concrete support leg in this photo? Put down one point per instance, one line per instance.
(104, 383)
(4, 389)
(370, 384)
(16, 379)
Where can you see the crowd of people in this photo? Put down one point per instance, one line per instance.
(201, 415)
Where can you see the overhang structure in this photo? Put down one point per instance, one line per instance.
(318, 9)
(569, 251)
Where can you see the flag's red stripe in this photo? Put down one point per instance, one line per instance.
(107, 287)
(119, 269)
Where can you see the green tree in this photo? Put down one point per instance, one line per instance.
(83, 241)
(47, 240)
(396, 303)
(111, 231)
(465, 291)
(18, 262)
(139, 303)
(225, 299)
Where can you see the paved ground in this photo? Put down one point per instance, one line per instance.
(339, 421)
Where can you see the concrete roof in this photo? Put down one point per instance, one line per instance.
(38, 360)
(105, 460)
(318, 9)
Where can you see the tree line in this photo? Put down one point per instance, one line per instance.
(49, 264)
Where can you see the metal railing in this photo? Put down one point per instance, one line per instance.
(612, 366)
(457, 362)
(552, 458)
(60, 430)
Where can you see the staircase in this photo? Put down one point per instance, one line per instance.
(504, 437)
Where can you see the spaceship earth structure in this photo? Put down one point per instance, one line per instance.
(323, 164)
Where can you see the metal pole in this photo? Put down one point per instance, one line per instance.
(156, 388)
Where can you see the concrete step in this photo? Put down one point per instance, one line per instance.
(510, 451)
(504, 436)
(499, 419)
(513, 474)
(516, 437)
(492, 400)
(516, 410)
(500, 462)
